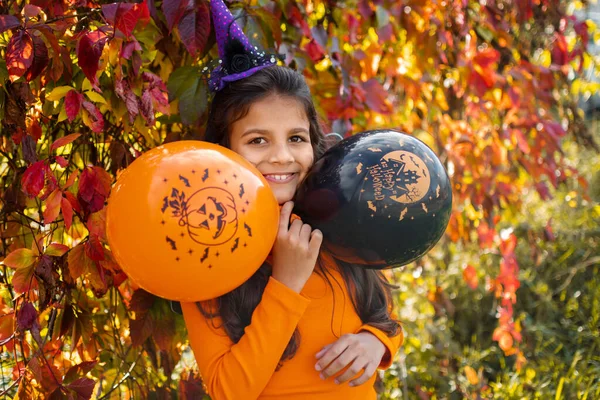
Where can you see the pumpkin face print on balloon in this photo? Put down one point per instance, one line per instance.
(210, 216)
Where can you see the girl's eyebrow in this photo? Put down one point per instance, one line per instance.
(299, 130)
(266, 131)
(256, 130)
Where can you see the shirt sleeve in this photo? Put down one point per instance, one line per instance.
(243, 369)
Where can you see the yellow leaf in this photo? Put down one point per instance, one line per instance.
(20, 258)
(86, 85)
(471, 375)
(95, 97)
(62, 115)
(58, 93)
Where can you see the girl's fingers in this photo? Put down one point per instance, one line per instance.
(305, 233)
(347, 358)
(284, 216)
(354, 369)
(316, 239)
(294, 230)
(369, 372)
(323, 350)
(332, 353)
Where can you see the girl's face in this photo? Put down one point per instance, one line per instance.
(274, 137)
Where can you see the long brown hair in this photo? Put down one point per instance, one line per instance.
(369, 290)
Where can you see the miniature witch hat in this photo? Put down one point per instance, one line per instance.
(238, 58)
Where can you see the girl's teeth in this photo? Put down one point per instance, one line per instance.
(279, 177)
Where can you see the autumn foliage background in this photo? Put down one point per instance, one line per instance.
(506, 306)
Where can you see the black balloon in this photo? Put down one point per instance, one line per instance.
(381, 198)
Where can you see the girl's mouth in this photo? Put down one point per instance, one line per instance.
(280, 178)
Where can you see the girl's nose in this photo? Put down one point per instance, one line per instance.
(281, 154)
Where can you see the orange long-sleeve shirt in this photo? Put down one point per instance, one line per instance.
(246, 370)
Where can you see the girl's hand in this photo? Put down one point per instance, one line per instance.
(295, 251)
(361, 351)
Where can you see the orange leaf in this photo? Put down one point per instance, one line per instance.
(505, 341)
(79, 262)
(471, 375)
(52, 206)
(63, 141)
(23, 279)
(470, 276)
(67, 211)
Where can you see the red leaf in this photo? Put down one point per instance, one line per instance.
(560, 50)
(71, 198)
(31, 11)
(94, 249)
(376, 97)
(173, 10)
(129, 47)
(96, 117)
(79, 370)
(84, 388)
(194, 28)
(125, 16)
(89, 50)
(63, 141)
(60, 160)
(94, 186)
(19, 55)
(26, 317)
(141, 301)
(52, 206)
(8, 22)
(147, 108)
(141, 328)
(123, 90)
(67, 211)
(73, 101)
(40, 59)
(35, 130)
(33, 179)
(164, 332)
(314, 51)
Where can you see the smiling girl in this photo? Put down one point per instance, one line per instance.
(305, 325)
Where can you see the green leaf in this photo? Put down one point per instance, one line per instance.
(180, 80)
(187, 85)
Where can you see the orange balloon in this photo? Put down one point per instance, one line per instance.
(191, 220)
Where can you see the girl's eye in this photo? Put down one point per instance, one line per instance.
(297, 139)
(257, 140)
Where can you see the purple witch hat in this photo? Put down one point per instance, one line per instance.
(239, 59)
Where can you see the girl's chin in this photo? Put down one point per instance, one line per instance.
(283, 198)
